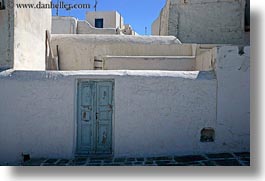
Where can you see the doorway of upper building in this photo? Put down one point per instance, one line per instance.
(99, 23)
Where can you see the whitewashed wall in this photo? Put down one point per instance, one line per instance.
(64, 25)
(30, 27)
(233, 98)
(6, 34)
(79, 52)
(203, 21)
(173, 63)
(155, 112)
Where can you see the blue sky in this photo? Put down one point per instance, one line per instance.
(138, 13)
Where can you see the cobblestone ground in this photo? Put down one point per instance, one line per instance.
(221, 159)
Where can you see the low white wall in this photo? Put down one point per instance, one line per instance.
(64, 25)
(155, 112)
(173, 63)
(79, 52)
(232, 69)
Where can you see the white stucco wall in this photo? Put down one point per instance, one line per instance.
(173, 63)
(30, 27)
(204, 21)
(6, 37)
(232, 69)
(79, 52)
(111, 19)
(155, 112)
(64, 25)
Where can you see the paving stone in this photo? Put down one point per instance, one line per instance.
(227, 162)
(114, 164)
(33, 162)
(130, 159)
(163, 158)
(95, 162)
(245, 159)
(189, 158)
(51, 161)
(246, 163)
(101, 158)
(140, 159)
(108, 161)
(208, 163)
(163, 163)
(243, 154)
(63, 162)
(49, 164)
(119, 160)
(150, 159)
(220, 155)
(149, 162)
(138, 163)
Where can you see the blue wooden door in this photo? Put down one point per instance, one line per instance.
(95, 109)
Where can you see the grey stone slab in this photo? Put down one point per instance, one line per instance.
(227, 162)
(243, 154)
(119, 159)
(190, 158)
(220, 155)
(33, 162)
(208, 163)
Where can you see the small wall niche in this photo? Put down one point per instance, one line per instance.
(207, 135)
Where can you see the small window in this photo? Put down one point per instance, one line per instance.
(99, 23)
(2, 6)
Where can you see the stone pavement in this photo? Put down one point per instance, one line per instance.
(221, 159)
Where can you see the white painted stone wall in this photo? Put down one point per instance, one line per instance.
(30, 27)
(112, 19)
(64, 25)
(79, 52)
(155, 112)
(232, 69)
(6, 34)
(204, 21)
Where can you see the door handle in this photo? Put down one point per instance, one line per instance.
(97, 116)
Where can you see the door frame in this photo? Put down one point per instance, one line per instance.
(76, 107)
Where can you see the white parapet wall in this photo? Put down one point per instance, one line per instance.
(173, 63)
(64, 25)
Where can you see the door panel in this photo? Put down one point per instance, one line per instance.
(94, 117)
(104, 116)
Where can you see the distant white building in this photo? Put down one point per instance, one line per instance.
(109, 22)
